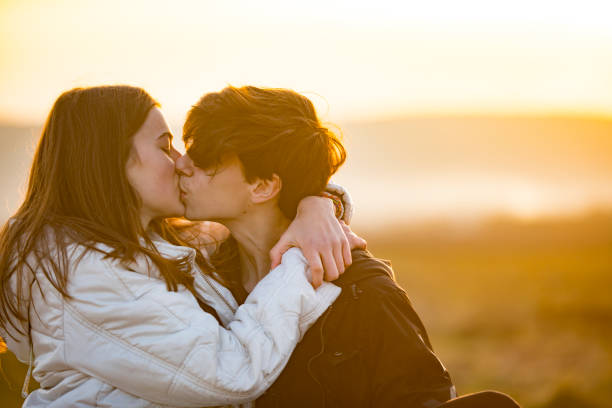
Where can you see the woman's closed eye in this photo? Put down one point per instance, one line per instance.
(165, 140)
(167, 145)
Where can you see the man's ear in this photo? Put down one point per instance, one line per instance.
(263, 190)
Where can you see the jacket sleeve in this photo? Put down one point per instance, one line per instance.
(128, 330)
(347, 201)
(405, 370)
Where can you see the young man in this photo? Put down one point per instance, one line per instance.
(252, 155)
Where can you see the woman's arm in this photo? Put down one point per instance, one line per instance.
(128, 330)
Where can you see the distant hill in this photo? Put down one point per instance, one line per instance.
(458, 166)
(424, 167)
(550, 147)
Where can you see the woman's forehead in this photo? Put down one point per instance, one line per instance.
(154, 126)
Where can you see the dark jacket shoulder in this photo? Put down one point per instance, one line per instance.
(365, 266)
(369, 349)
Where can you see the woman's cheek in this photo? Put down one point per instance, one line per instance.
(169, 176)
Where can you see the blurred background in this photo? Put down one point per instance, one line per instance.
(480, 150)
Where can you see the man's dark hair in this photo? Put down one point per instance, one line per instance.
(271, 131)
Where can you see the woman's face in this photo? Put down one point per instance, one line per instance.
(150, 169)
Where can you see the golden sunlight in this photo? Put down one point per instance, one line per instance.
(359, 61)
(368, 59)
(479, 141)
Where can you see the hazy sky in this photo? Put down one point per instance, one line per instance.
(357, 60)
(364, 58)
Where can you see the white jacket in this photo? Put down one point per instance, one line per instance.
(124, 340)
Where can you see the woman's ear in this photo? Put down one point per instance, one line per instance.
(263, 190)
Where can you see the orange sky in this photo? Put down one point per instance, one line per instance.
(358, 61)
(365, 59)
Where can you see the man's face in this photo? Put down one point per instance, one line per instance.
(219, 194)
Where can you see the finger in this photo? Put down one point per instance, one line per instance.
(316, 268)
(361, 243)
(353, 240)
(329, 263)
(356, 242)
(346, 253)
(345, 247)
(276, 253)
(339, 259)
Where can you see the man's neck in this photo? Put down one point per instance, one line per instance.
(256, 234)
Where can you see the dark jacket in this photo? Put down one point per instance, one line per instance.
(369, 349)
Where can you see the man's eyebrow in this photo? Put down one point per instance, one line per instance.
(165, 134)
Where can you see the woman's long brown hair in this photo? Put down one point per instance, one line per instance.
(78, 192)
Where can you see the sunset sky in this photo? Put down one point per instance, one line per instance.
(359, 61)
(365, 59)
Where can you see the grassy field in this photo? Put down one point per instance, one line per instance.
(521, 307)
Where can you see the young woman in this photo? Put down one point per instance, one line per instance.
(100, 295)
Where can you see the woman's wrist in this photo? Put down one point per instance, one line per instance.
(345, 198)
(337, 201)
(316, 204)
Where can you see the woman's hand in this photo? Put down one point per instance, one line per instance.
(320, 236)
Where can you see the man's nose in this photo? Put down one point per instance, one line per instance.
(184, 165)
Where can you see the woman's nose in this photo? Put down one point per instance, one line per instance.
(184, 165)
